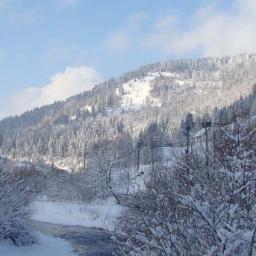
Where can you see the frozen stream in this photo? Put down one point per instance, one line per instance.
(85, 241)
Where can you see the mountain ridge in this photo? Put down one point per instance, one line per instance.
(163, 65)
(162, 92)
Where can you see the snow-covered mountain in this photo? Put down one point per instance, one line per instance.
(161, 92)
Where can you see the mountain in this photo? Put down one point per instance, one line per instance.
(162, 93)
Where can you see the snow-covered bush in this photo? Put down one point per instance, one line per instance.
(197, 207)
(15, 196)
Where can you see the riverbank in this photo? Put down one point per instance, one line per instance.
(98, 214)
(45, 245)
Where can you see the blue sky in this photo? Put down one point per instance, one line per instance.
(53, 46)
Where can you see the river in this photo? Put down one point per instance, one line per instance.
(85, 241)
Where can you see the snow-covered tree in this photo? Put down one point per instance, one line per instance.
(15, 196)
(193, 208)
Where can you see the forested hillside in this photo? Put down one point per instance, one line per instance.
(118, 110)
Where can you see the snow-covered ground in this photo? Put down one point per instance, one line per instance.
(45, 245)
(98, 214)
(137, 93)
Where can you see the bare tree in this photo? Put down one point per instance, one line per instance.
(104, 160)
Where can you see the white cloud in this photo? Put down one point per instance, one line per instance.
(165, 22)
(57, 53)
(118, 41)
(122, 40)
(62, 85)
(211, 31)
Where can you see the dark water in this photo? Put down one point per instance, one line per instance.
(85, 241)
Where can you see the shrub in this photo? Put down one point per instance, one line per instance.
(15, 196)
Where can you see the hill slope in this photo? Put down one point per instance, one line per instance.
(160, 92)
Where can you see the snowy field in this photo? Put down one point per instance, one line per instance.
(45, 245)
(98, 214)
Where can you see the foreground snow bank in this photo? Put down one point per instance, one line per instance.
(45, 245)
(98, 214)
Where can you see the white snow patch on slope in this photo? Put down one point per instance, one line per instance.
(98, 214)
(72, 118)
(137, 93)
(87, 108)
(45, 245)
(167, 74)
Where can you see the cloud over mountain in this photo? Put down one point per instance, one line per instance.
(214, 31)
(62, 85)
(211, 30)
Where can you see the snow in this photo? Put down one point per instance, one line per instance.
(113, 112)
(72, 118)
(135, 182)
(253, 117)
(137, 90)
(87, 108)
(200, 133)
(98, 214)
(169, 74)
(45, 245)
(170, 154)
(137, 93)
(164, 73)
(63, 164)
(60, 165)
